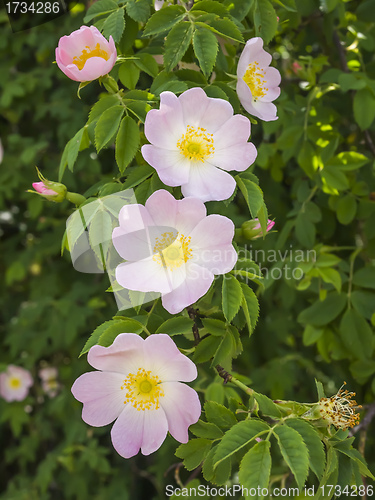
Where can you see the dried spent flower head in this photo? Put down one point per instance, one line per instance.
(339, 409)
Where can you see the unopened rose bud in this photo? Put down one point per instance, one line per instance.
(53, 191)
(251, 229)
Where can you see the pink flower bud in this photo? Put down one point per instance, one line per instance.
(85, 54)
(42, 189)
(251, 229)
(53, 191)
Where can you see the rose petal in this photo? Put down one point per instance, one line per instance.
(172, 167)
(102, 396)
(238, 157)
(164, 126)
(147, 275)
(182, 408)
(127, 432)
(163, 357)
(202, 111)
(123, 356)
(198, 281)
(207, 182)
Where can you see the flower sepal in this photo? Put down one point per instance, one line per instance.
(109, 84)
(251, 229)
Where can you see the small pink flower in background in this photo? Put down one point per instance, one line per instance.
(172, 247)
(1, 151)
(139, 385)
(50, 384)
(15, 383)
(85, 54)
(257, 83)
(252, 229)
(195, 139)
(296, 67)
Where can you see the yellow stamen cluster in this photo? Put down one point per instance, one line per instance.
(86, 54)
(339, 409)
(15, 382)
(143, 390)
(255, 80)
(172, 251)
(197, 144)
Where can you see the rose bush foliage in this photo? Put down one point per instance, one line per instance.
(312, 273)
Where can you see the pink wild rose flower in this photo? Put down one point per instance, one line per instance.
(50, 385)
(257, 83)
(85, 54)
(15, 383)
(195, 140)
(139, 386)
(172, 247)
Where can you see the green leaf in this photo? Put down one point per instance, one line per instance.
(311, 334)
(100, 234)
(317, 456)
(334, 178)
(138, 10)
(238, 8)
(164, 20)
(206, 349)
(167, 81)
(250, 306)
(346, 209)
(221, 474)
(332, 276)
(356, 334)
(351, 81)
(147, 64)
(348, 160)
(294, 452)
(265, 20)
(214, 326)
(128, 74)
(322, 313)
(252, 194)
(255, 469)
(210, 6)
(127, 142)
(102, 105)
(138, 175)
(364, 303)
(205, 47)
(364, 108)
(365, 277)
(107, 332)
(231, 297)
(176, 326)
(177, 43)
(219, 415)
(194, 452)
(225, 28)
(114, 25)
(267, 406)
(305, 230)
(240, 435)
(320, 389)
(100, 8)
(107, 126)
(206, 430)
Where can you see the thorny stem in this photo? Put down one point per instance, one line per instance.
(193, 313)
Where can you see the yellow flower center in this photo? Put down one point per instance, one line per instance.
(255, 80)
(86, 54)
(197, 144)
(172, 251)
(15, 382)
(339, 409)
(143, 390)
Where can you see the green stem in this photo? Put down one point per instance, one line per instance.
(75, 198)
(242, 386)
